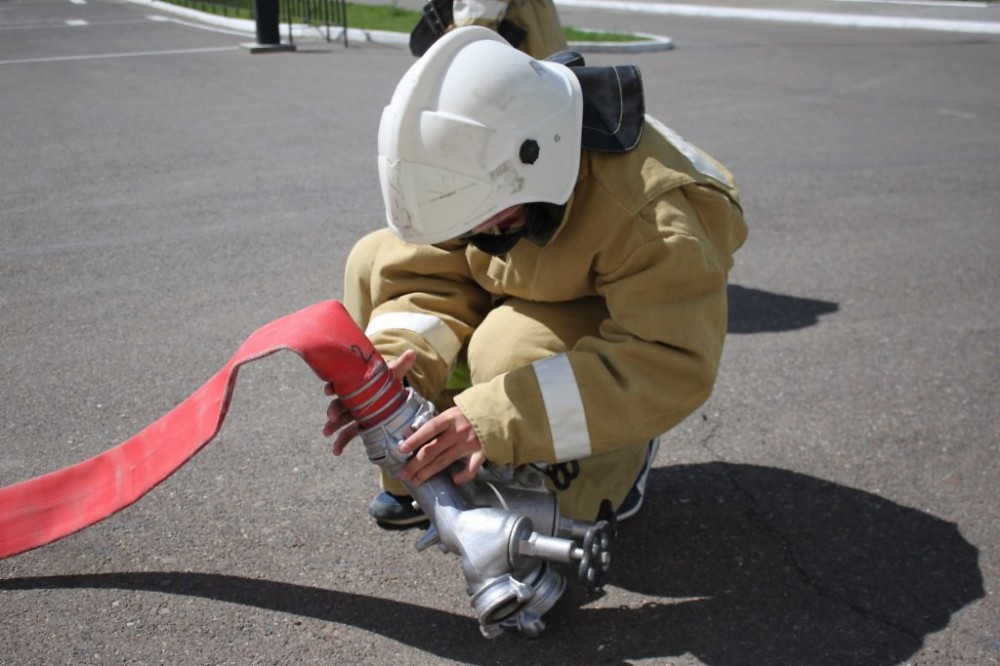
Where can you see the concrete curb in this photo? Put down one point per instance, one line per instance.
(651, 43)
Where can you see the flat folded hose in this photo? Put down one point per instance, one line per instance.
(49, 507)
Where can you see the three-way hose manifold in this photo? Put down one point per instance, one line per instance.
(505, 525)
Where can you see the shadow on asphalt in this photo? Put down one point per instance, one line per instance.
(756, 311)
(751, 565)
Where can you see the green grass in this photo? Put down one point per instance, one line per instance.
(390, 18)
(577, 35)
(381, 17)
(397, 19)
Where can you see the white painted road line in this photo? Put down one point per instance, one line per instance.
(199, 26)
(135, 54)
(950, 4)
(789, 16)
(64, 23)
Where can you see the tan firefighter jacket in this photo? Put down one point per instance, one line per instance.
(652, 232)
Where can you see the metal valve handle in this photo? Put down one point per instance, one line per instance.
(595, 557)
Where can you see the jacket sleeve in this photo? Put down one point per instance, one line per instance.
(424, 300)
(487, 13)
(654, 359)
(538, 18)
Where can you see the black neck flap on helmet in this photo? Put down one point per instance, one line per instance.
(614, 111)
(614, 107)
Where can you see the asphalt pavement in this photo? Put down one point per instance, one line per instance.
(164, 192)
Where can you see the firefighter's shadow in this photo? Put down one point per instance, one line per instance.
(735, 564)
(756, 311)
(752, 565)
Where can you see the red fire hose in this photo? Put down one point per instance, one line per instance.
(41, 510)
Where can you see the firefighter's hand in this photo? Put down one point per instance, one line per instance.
(340, 421)
(445, 439)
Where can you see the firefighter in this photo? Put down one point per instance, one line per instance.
(566, 250)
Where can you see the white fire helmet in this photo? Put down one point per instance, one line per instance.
(474, 127)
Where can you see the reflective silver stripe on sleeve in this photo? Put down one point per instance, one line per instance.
(698, 159)
(470, 10)
(564, 407)
(434, 330)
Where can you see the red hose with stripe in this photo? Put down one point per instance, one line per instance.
(41, 510)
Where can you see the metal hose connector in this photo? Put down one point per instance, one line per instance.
(504, 525)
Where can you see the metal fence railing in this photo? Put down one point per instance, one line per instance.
(234, 8)
(319, 14)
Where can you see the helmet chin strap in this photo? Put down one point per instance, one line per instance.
(496, 244)
(543, 219)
